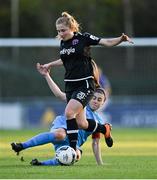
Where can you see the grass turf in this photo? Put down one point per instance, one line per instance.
(133, 156)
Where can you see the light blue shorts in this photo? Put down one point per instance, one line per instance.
(59, 122)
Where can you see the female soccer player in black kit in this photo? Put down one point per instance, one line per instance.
(79, 77)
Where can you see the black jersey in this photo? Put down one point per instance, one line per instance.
(76, 57)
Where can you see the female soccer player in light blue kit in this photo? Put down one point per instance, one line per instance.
(57, 135)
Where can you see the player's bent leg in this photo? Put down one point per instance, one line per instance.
(60, 134)
(104, 129)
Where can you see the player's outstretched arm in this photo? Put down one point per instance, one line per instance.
(96, 149)
(115, 41)
(53, 63)
(55, 89)
(52, 85)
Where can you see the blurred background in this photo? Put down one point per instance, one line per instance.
(27, 35)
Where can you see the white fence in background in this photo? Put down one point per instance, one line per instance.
(10, 116)
(53, 42)
(121, 112)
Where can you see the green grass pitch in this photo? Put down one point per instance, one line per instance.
(133, 156)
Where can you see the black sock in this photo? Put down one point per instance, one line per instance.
(93, 126)
(100, 128)
(72, 132)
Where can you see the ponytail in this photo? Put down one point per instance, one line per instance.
(68, 20)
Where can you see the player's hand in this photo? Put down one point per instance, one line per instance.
(124, 37)
(42, 70)
(47, 66)
(78, 157)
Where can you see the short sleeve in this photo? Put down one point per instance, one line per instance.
(91, 39)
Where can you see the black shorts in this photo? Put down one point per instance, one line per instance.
(83, 93)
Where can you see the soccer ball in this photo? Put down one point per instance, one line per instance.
(66, 155)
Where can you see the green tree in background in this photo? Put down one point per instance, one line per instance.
(132, 71)
(101, 17)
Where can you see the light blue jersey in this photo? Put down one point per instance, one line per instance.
(49, 137)
(60, 122)
(94, 115)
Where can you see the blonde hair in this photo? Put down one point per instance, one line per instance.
(95, 73)
(69, 21)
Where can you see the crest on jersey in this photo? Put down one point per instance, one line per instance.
(81, 95)
(75, 41)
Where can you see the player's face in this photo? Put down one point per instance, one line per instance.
(97, 101)
(64, 32)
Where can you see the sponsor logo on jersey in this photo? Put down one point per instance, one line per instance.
(67, 51)
(94, 37)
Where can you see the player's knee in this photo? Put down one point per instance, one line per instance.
(82, 124)
(60, 135)
(69, 114)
